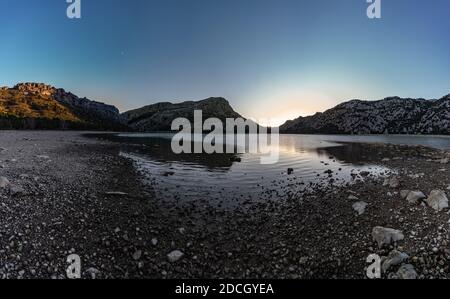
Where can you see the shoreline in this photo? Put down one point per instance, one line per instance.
(64, 208)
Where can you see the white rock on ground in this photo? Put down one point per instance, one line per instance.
(352, 197)
(415, 197)
(393, 259)
(437, 200)
(386, 236)
(360, 207)
(175, 256)
(407, 271)
(4, 182)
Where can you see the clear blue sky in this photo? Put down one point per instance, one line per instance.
(269, 58)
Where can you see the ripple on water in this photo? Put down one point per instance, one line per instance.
(215, 178)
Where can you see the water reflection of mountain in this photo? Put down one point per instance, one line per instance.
(352, 153)
(160, 149)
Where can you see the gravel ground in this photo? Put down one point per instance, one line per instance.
(56, 203)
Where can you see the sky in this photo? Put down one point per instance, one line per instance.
(272, 59)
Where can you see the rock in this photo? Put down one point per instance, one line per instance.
(137, 255)
(407, 271)
(445, 161)
(154, 241)
(175, 256)
(290, 171)
(168, 173)
(415, 197)
(437, 200)
(93, 272)
(4, 183)
(392, 182)
(16, 190)
(404, 194)
(235, 159)
(386, 236)
(360, 207)
(394, 258)
(352, 197)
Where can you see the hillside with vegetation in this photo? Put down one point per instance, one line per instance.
(40, 106)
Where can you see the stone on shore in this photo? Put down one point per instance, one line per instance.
(393, 259)
(175, 256)
(415, 197)
(407, 271)
(404, 194)
(386, 236)
(4, 183)
(360, 207)
(137, 255)
(437, 200)
(235, 159)
(352, 197)
(93, 272)
(392, 182)
(16, 190)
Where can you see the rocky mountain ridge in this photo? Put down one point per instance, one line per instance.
(159, 117)
(393, 115)
(41, 106)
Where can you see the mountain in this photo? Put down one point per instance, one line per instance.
(392, 115)
(159, 117)
(41, 106)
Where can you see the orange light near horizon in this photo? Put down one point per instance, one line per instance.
(275, 110)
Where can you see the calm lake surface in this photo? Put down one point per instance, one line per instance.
(217, 179)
